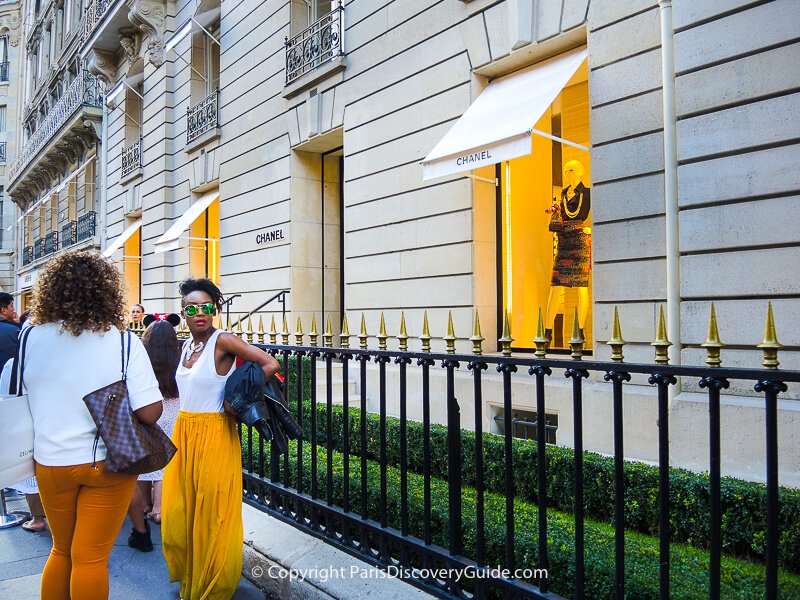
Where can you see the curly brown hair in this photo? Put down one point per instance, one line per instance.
(82, 290)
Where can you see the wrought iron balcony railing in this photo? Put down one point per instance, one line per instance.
(2, 152)
(27, 255)
(69, 234)
(315, 45)
(202, 117)
(86, 226)
(51, 242)
(94, 13)
(132, 158)
(38, 248)
(86, 90)
(3, 71)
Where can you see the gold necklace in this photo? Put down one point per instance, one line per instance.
(572, 215)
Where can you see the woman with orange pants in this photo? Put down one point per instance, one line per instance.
(77, 346)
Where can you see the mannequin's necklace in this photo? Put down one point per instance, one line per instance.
(195, 349)
(572, 214)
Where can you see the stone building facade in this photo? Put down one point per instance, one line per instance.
(9, 75)
(306, 145)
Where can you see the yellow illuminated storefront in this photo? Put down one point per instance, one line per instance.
(200, 226)
(534, 125)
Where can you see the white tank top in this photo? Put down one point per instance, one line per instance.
(201, 388)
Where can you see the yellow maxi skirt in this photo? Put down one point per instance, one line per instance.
(201, 514)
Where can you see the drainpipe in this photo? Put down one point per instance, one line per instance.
(671, 184)
(103, 178)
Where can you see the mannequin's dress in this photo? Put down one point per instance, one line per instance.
(573, 257)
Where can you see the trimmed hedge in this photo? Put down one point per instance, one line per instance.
(743, 503)
(689, 566)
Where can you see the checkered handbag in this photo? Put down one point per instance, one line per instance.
(131, 446)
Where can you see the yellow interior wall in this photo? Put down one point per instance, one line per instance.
(527, 244)
(132, 267)
(204, 253)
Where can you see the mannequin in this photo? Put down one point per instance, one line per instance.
(573, 250)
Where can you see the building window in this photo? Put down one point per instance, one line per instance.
(524, 425)
(205, 62)
(2, 119)
(132, 266)
(545, 211)
(204, 252)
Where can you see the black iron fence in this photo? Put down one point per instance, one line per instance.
(3, 71)
(38, 248)
(86, 226)
(442, 506)
(27, 255)
(69, 234)
(2, 152)
(51, 242)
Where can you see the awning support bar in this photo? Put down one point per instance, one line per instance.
(560, 140)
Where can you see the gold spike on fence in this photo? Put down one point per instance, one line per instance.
(285, 332)
(273, 333)
(403, 337)
(616, 342)
(712, 343)
(770, 345)
(382, 336)
(540, 341)
(298, 334)
(327, 337)
(576, 341)
(450, 338)
(260, 333)
(506, 340)
(249, 331)
(344, 337)
(661, 343)
(362, 335)
(477, 338)
(314, 334)
(425, 338)
(239, 332)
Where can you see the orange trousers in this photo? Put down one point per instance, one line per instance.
(85, 508)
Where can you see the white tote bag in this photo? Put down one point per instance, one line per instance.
(16, 428)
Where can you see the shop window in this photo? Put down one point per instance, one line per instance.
(132, 266)
(545, 211)
(204, 244)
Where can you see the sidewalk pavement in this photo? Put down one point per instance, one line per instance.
(133, 575)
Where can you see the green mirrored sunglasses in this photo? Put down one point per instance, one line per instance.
(191, 310)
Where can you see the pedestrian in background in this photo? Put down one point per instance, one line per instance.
(9, 328)
(136, 316)
(74, 348)
(164, 350)
(202, 515)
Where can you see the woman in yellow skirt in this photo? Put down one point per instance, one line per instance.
(202, 495)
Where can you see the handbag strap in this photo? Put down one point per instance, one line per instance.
(18, 365)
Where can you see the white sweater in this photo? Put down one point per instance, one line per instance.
(60, 369)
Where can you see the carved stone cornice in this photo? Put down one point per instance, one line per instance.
(149, 15)
(12, 22)
(103, 65)
(129, 39)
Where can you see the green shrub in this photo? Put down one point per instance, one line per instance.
(743, 503)
(688, 566)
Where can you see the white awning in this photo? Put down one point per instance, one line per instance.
(169, 241)
(122, 238)
(498, 124)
